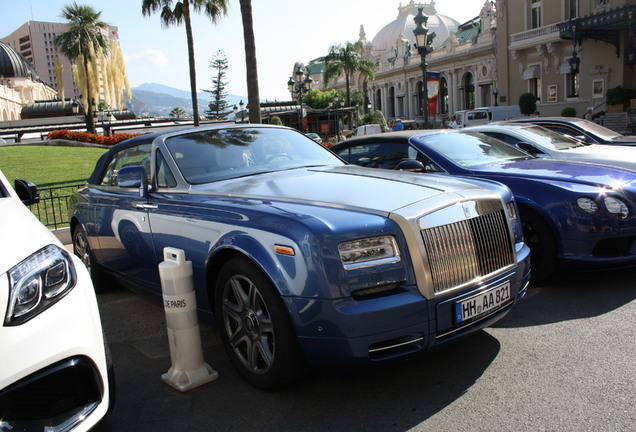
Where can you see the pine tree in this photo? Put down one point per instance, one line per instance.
(219, 108)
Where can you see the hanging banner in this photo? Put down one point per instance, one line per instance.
(432, 79)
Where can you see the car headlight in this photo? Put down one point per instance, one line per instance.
(616, 206)
(37, 283)
(369, 252)
(587, 204)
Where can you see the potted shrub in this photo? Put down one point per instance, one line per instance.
(618, 97)
(568, 112)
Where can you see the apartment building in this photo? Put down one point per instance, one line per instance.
(568, 53)
(34, 40)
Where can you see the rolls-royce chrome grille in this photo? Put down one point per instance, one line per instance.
(462, 251)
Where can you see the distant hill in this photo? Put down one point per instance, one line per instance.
(151, 99)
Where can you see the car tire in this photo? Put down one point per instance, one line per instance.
(254, 326)
(82, 249)
(543, 248)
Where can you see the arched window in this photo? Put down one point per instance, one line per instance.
(378, 100)
(392, 102)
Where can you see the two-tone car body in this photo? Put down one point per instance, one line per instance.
(301, 258)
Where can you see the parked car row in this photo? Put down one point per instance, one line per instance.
(304, 260)
(574, 215)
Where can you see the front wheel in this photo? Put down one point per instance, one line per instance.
(254, 327)
(82, 249)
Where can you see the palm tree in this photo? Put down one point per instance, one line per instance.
(177, 112)
(174, 13)
(347, 59)
(86, 36)
(253, 98)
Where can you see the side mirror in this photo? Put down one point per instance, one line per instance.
(411, 165)
(133, 177)
(27, 191)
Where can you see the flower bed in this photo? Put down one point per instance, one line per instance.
(65, 134)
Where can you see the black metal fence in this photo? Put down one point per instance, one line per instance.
(52, 210)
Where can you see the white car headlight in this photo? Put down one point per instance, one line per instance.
(617, 207)
(38, 282)
(369, 252)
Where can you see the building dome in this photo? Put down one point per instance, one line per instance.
(402, 28)
(14, 65)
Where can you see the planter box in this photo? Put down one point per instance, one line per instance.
(615, 108)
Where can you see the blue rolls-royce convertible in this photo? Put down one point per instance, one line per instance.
(574, 214)
(303, 259)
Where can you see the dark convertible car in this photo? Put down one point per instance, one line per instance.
(302, 258)
(579, 215)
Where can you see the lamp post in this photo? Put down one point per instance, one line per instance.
(240, 109)
(298, 86)
(423, 42)
(495, 93)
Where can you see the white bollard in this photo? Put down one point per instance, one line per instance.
(188, 368)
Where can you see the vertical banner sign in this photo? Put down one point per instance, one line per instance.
(432, 79)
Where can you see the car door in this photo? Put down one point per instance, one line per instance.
(123, 228)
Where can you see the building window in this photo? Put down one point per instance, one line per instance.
(469, 91)
(534, 87)
(535, 14)
(443, 96)
(573, 9)
(572, 80)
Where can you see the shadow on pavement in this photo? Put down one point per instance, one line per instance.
(572, 296)
(394, 397)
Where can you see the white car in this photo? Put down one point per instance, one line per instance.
(54, 371)
(546, 143)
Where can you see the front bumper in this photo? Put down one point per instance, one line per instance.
(347, 332)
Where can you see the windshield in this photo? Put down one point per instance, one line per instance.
(472, 149)
(550, 139)
(598, 130)
(222, 154)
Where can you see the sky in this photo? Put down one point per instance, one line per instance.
(285, 31)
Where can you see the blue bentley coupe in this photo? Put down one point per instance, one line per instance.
(574, 214)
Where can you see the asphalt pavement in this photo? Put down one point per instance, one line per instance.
(563, 360)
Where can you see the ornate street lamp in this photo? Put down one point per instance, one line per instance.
(423, 42)
(298, 86)
(240, 109)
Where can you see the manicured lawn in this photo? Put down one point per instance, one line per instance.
(48, 165)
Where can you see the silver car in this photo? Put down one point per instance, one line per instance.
(547, 143)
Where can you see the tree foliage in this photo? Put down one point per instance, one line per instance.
(177, 12)
(83, 42)
(347, 59)
(219, 108)
(376, 117)
(177, 112)
(527, 103)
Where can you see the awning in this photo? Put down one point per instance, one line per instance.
(531, 72)
(565, 67)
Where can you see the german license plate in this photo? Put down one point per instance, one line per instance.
(482, 303)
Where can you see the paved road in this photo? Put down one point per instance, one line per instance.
(563, 360)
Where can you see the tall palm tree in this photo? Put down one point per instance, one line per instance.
(253, 98)
(86, 35)
(347, 59)
(176, 12)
